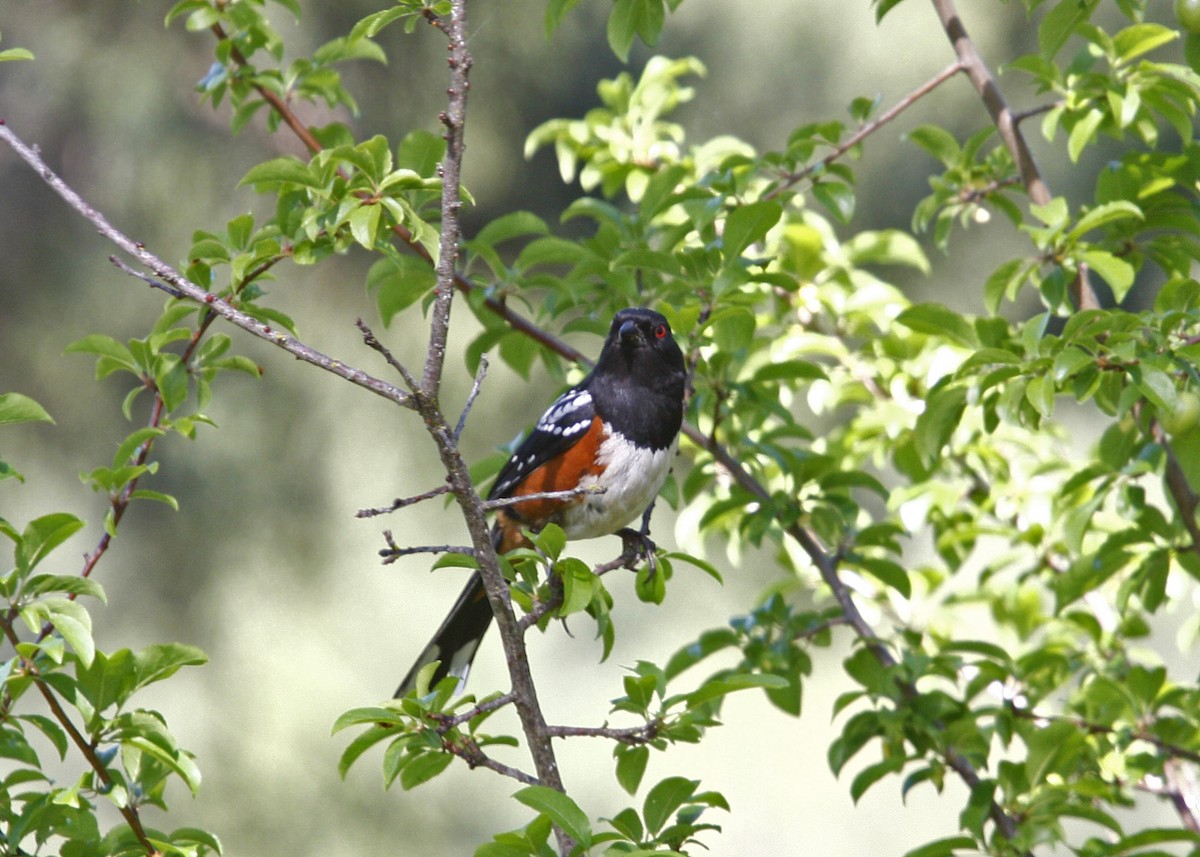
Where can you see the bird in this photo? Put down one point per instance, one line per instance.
(616, 432)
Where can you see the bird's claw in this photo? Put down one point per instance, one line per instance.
(637, 545)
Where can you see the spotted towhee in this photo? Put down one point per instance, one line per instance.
(616, 431)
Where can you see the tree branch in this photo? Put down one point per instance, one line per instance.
(869, 128)
(193, 292)
(450, 170)
(632, 735)
(445, 724)
(1006, 123)
(403, 502)
(129, 810)
(470, 752)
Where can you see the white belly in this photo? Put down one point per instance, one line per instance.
(631, 480)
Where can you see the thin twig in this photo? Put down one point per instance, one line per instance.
(1020, 117)
(471, 753)
(476, 386)
(403, 502)
(278, 104)
(1172, 751)
(869, 128)
(393, 551)
(194, 292)
(989, 92)
(150, 281)
(1183, 792)
(392, 554)
(1180, 489)
(372, 342)
(633, 735)
(445, 724)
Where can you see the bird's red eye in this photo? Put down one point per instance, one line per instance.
(660, 331)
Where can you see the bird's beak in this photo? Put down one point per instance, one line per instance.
(628, 330)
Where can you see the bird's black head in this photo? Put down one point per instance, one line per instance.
(640, 345)
(638, 382)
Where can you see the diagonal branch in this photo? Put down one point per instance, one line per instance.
(193, 292)
(993, 99)
(827, 564)
(1006, 123)
(869, 128)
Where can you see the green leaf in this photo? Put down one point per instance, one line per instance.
(125, 452)
(556, 10)
(882, 7)
(423, 768)
(938, 142)
(1157, 386)
(579, 585)
(838, 197)
(944, 408)
(1142, 38)
(887, 247)
(399, 281)
(43, 535)
(189, 837)
(41, 584)
(664, 799)
(790, 370)
(156, 496)
(1060, 22)
(630, 18)
(1083, 132)
(710, 642)
(364, 224)
(104, 346)
(1102, 215)
(364, 742)
(561, 809)
(716, 688)
(1118, 273)
(1005, 280)
(71, 620)
(421, 152)
(890, 574)
(631, 766)
(18, 408)
(872, 774)
(748, 224)
(279, 172)
(516, 224)
(938, 320)
(172, 382)
(162, 660)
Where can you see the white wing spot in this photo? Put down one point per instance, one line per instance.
(551, 420)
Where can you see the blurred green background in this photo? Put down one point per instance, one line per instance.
(266, 568)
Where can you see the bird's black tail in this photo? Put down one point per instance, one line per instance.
(455, 643)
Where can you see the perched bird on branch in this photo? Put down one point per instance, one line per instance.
(615, 432)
